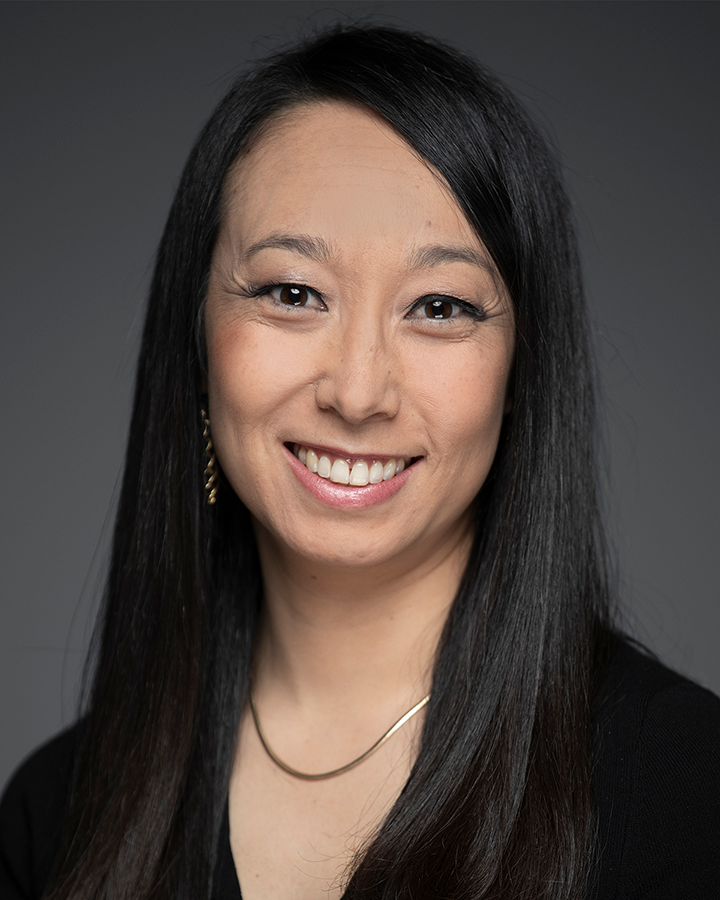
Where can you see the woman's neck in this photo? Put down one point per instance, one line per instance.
(338, 638)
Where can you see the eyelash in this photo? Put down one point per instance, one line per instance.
(267, 291)
(469, 309)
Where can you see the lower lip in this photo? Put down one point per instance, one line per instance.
(341, 495)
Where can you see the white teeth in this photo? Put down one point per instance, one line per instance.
(376, 472)
(311, 461)
(361, 474)
(324, 467)
(340, 472)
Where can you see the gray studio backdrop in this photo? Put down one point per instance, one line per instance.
(100, 105)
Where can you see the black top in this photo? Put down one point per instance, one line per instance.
(656, 778)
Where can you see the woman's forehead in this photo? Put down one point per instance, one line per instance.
(340, 171)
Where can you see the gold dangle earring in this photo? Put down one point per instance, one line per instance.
(211, 472)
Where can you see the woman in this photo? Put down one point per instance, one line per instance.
(359, 494)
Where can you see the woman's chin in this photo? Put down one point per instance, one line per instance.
(354, 552)
(391, 550)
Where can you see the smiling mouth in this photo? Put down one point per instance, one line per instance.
(353, 471)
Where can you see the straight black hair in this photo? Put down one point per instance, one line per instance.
(499, 801)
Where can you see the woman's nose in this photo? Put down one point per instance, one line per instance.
(359, 374)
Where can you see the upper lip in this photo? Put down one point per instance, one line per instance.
(351, 454)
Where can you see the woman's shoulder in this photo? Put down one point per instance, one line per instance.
(31, 815)
(657, 780)
(634, 672)
(644, 704)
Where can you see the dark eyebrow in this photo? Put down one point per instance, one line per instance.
(317, 249)
(314, 248)
(426, 257)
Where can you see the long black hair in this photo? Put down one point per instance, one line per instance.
(499, 801)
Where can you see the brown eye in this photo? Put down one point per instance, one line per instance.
(443, 307)
(294, 295)
(298, 296)
(438, 309)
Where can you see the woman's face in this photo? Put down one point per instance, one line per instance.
(354, 326)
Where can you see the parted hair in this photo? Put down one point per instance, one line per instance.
(499, 801)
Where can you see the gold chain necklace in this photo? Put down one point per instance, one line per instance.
(351, 765)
